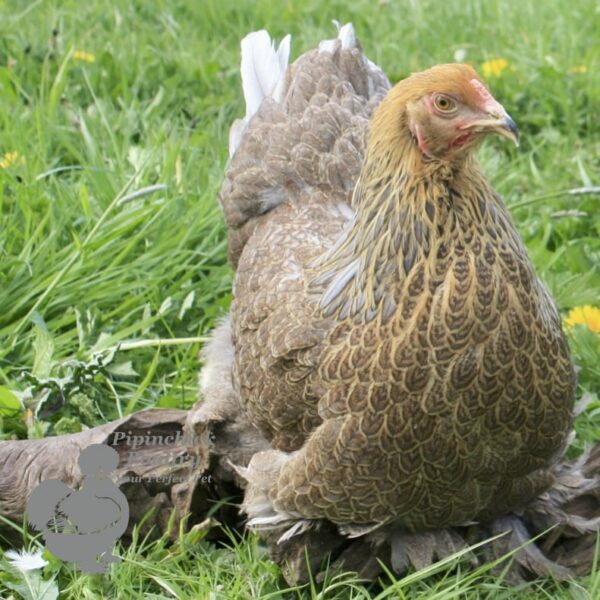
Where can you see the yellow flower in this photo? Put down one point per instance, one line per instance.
(11, 158)
(87, 57)
(494, 67)
(579, 69)
(584, 315)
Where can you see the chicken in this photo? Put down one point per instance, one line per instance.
(392, 342)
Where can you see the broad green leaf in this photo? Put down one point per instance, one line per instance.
(43, 347)
(9, 403)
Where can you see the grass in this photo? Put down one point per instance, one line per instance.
(110, 232)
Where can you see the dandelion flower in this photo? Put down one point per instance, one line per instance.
(494, 67)
(10, 158)
(24, 560)
(579, 69)
(584, 315)
(83, 56)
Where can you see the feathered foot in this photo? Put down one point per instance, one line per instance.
(555, 535)
(263, 516)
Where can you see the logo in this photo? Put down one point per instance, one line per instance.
(82, 525)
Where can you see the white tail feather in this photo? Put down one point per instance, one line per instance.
(346, 35)
(263, 68)
(263, 75)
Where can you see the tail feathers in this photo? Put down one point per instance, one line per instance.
(346, 35)
(263, 75)
(263, 68)
(303, 134)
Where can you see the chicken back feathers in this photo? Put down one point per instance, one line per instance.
(392, 340)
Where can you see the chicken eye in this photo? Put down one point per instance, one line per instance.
(444, 104)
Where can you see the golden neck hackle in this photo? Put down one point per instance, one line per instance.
(406, 207)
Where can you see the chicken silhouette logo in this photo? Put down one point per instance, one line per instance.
(82, 526)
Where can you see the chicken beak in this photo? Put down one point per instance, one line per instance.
(508, 129)
(511, 130)
(497, 122)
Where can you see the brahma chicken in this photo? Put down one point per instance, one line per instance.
(389, 337)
